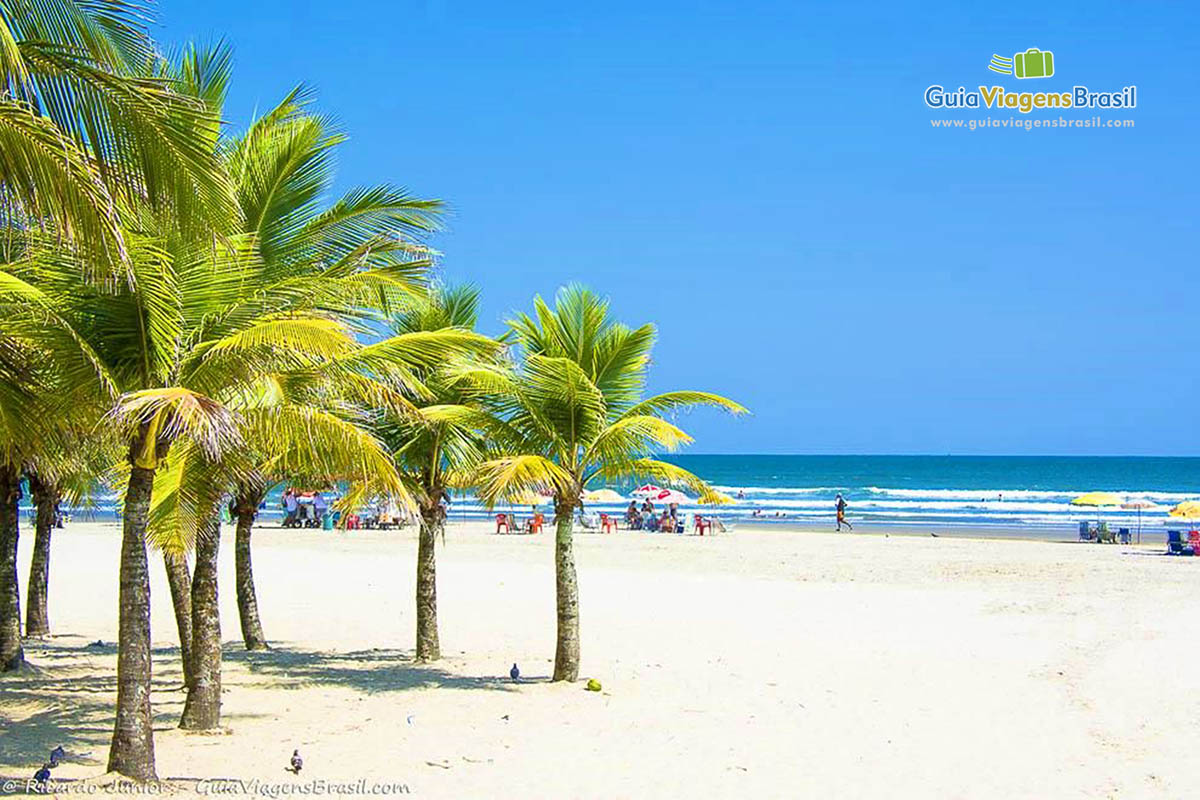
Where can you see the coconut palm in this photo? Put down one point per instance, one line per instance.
(575, 402)
(24, 430)
(67, 473)
(32, 425)
(161, 348)
(440, 445)
(359, 255)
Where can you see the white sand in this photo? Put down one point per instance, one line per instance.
(752, 665)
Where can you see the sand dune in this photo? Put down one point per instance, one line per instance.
(762, 664)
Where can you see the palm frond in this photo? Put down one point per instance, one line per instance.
(502, 479)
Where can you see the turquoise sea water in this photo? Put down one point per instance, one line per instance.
(970, 491)
(938, 490)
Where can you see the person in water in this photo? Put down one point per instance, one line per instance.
(841, 513)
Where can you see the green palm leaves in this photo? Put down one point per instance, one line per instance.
(92, 120)
(576, 400)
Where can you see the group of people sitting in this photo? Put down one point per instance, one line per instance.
(646, 519)
(304, 509)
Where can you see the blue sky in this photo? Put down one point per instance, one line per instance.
(762, 180)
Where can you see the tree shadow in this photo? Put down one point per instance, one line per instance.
(66, 700)
(368, 671)
(63, 699)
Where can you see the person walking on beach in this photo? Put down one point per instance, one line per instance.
(841, 513)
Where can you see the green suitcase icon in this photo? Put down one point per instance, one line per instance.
(1034, 63)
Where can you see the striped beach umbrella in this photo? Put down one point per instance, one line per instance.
(1139, 504)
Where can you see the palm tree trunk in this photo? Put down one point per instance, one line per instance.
(132, 750)
(566, 654)
(12, 655)
(37, 615)
(247, 598)
(202, 710)
(428, 647)
(180, 581)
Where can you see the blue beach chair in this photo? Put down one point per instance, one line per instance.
(1085, 532)
(1176, 545)
(1124, 536)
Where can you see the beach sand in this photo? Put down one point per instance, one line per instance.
(756, 664)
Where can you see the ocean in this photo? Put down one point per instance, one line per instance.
(974, 492)
(932, 491)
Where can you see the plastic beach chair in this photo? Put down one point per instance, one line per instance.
(702, 524)
(535, 526)
(1175, 545)
(502, 522)
(607, 524)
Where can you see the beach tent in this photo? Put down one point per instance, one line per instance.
(1140, 505)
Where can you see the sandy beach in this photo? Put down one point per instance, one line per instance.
(760, 664)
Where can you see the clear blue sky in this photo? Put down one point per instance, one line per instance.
(762, 181)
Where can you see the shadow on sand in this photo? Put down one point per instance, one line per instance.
(67, 699)
(64, 698)
(368, 671)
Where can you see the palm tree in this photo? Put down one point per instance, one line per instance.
(21, 431)
(162, 347)
(31, 424)
(575, 402)
(358, 255)
(66, 473)
(439, 445)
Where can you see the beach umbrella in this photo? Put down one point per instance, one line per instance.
(1187, 510)
(1098, 500)
(647, 491)
(602, 496)
(1139, 505)
(668, 496)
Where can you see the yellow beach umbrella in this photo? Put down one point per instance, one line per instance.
(1189, 509)
(602, 496)
(1098, 499)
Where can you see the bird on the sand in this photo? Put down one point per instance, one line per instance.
(56, 756)
(514, 673)
(42, 775)
(297, 762)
